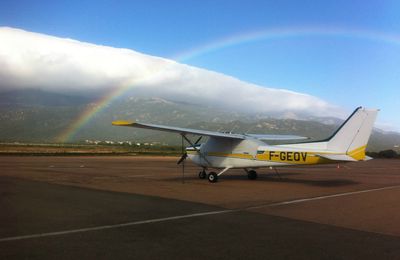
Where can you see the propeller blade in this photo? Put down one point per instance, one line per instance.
(184, 156)
(198, 140)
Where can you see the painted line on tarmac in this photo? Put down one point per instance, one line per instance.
(322, 197)
(80, 230)
(207, 213)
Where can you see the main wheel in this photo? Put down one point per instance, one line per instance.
(252, 175)
(212, 177)
(202, 174)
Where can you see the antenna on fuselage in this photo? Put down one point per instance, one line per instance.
(233, 128)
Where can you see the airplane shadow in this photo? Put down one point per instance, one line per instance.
(284, 178)
(321, 183)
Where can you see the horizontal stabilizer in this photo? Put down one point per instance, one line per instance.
(367, 158)
(337, 157)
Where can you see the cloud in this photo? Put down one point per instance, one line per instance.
(33, 60)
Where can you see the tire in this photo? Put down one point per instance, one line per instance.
(212, 177)
(202, 175)
(252, 175)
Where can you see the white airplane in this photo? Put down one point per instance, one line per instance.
(226, 151)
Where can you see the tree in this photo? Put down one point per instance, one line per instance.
(388, 154)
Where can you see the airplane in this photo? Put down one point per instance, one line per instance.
(224, 150)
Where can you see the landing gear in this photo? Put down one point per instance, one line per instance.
(202, 174)
(212, 177)
(252, 175)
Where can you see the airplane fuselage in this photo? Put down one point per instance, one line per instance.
(253, 153)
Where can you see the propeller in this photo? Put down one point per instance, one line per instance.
(198, 140)
(185, 155)
(182, 160)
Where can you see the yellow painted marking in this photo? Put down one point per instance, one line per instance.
(306, 157)
(234, 155)
(123, 123)
(358, 153)
(294, 157)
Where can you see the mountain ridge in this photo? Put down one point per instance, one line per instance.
(40, 116)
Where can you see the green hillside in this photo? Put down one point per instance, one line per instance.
(42, 117)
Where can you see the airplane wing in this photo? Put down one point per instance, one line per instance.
(277, 137)
(181, 130)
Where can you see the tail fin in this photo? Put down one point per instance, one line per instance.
(352, 136)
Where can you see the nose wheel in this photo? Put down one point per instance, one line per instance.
(202, 174)
(212, 177)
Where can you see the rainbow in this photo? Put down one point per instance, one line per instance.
(232, 40)
(67, 134)
(282, 33)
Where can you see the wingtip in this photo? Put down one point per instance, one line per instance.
(123, 123)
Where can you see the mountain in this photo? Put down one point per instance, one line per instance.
(41, 116)
(59, 65)
(38, 97)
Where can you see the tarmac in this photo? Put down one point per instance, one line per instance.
(143, 208)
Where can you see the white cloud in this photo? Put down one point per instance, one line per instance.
(32, 60)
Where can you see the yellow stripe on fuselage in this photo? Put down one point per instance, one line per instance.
(232, 155)
(290, 157)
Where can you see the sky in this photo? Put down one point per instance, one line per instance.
(346, 53)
